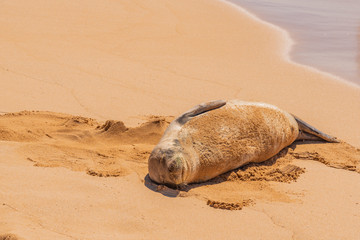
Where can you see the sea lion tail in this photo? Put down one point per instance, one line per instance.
(308, 132)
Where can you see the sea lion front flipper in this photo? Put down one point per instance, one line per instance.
(199, 109)
(308, 132)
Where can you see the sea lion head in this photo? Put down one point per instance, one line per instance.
(170, 163)
(167, 164)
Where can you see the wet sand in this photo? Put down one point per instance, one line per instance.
(69, 174)
(325, 33)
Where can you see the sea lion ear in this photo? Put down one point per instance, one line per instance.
(200, 109)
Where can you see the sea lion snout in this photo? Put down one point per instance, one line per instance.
(166, 166)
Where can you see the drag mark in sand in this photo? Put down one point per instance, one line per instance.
(111, 149)
(8, 237)
(229, 206)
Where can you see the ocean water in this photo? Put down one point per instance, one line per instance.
(326, 32)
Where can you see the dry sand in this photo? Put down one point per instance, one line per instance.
(69, 177)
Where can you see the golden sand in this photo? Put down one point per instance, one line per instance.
(63, 176)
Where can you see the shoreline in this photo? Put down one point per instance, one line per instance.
(288, 45)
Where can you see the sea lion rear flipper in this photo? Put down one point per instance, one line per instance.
(199, 109)
(308, 132)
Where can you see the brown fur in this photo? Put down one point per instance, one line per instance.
(202, 144)
(231, 136)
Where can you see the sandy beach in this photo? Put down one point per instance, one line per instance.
(88, 88)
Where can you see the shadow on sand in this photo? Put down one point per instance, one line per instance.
(172, 192)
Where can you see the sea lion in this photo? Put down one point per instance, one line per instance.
(219, 136)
